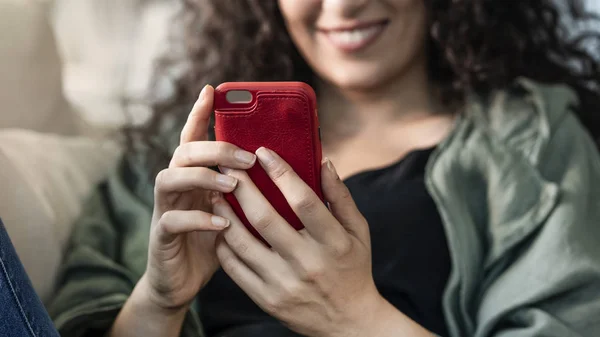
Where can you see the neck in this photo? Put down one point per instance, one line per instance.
(405, 100)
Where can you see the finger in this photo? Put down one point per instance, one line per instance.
(173, 223)
(317, 219)
(196, 126)
(268, 223)
(341, 203)
(182, 179)
(206, 153)
(239, 272)
(254, 253)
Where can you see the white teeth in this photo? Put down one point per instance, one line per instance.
(355, 36)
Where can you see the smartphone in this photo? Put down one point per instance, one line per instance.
(281, 116)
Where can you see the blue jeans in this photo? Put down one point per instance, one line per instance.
(21, 310)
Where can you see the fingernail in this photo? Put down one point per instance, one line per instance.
(220, 222)
(215, 196)
(331, 168)
(245, 157)
(202, 93)
(225, 170)
(226, 181)
(265, 155)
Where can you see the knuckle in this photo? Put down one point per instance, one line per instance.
(272, 304)
(264, 222)
(345, 194)
(278, 171)
(238, 245)
(304, 204)
(161, 180)
(229, 264)
(218, 201)
(290, 292)
(183, 154)
(313, 272)
(223, 149)
(165, 222)
(341, 248)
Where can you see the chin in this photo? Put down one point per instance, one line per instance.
(356, 79)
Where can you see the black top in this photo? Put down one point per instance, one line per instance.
(411, 261)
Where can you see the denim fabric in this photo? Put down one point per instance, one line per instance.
(21, 311)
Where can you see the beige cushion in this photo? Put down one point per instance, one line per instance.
(30, 71)
(108, 49)
(44, 180)
(68, 69)
(46, 169)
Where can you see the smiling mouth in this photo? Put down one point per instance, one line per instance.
(355, 38)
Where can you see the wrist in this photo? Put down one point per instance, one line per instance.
(379, 318)
(147, 299)
(360, 319)
(142, 316)
(369, 324)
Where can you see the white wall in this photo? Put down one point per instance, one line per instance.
(594, 5)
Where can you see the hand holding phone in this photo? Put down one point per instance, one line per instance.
(281, 116)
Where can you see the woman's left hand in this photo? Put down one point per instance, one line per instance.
(317, 281)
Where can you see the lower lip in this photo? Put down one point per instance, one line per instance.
(355, 46)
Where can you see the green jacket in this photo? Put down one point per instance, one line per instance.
(517, 184)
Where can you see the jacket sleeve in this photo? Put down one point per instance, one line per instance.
(107, 256)
(550, 286)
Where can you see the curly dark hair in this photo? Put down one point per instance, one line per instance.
(474, 46)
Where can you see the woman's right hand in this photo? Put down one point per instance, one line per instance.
(182, 258)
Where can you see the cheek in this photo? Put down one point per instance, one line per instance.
(296, 11)
(300, 17)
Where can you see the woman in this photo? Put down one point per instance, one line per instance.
(463, 200)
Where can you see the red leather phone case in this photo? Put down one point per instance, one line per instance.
(281, 116)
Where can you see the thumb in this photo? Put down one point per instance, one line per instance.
(340, 200)
(196, 126)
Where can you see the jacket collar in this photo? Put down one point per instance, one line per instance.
(489, 193)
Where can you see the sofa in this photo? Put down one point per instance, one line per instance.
(66, 69)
